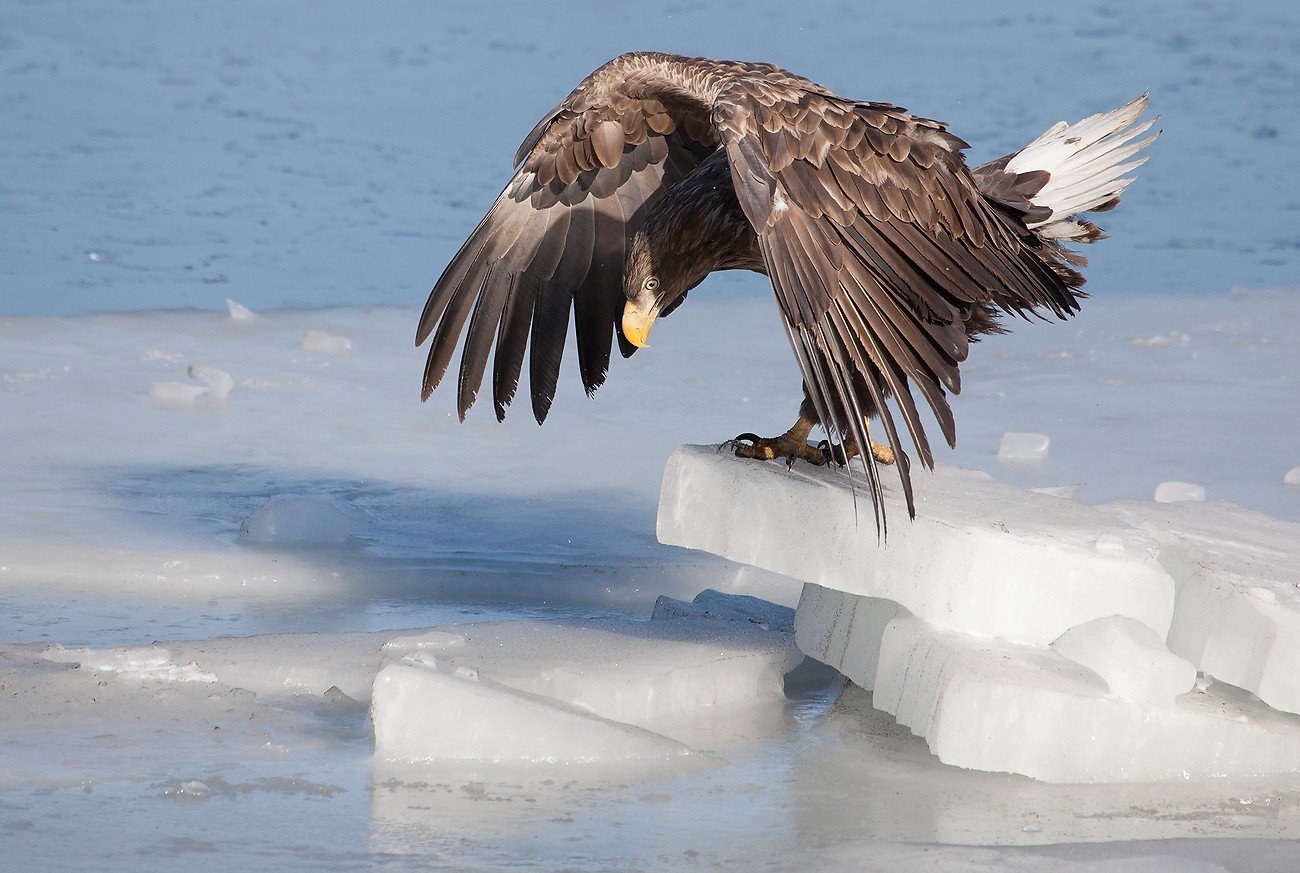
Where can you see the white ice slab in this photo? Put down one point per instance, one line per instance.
(981, 557)
(325, 344)
(990, 705)
(423, 714)
(651, 674)
(1178, 492)
(1238, 609)
(1023, 446)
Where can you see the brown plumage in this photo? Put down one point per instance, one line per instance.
(887, 254)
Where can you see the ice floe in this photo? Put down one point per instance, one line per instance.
(946, 621)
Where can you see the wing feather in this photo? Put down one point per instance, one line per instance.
(880, 247)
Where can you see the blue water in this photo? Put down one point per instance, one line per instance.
(158, 155)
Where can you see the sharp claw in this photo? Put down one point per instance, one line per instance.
(752, 437)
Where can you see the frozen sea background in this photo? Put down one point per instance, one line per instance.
(319, 163)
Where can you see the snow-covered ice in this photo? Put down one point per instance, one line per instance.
(981, 557)
(1292, 476)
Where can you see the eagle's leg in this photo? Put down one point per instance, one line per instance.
(790, 445)
(849, 451)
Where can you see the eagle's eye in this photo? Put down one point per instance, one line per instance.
(652, 284)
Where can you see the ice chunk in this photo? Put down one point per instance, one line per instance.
(239, 312)
(1237, 615)
(1023, 447)
(981, 557)
(843, 630)
(650, 674)
(217, 381)
(302, 518)
(434, 642)
(990, 705)
(143, 663)
(740, 608)
(323, 343)
(1175, 492)
(1130, 657)
(424, 714)
(1292, 477)
(1065, 492)
(175, 394)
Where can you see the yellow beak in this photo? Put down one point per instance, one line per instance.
(637, 322)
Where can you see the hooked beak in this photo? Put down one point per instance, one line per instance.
(637, 322)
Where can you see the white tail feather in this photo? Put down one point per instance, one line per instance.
(1087, 162)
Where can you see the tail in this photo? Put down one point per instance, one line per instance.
(1069, 170)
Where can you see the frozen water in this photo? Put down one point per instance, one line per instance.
(740, 608)
(1176, 492)
(1237, 615)
(423, 714)
(303, 518)
(981, 557)
(177, 394)
(1065, 492)
(1023, 447)
(991, 705)
(843, 630)
(239, 312)
(175, 155)
(218, 382)
(323, 343)
(570, 692)
(655, 675)
(1130, 658)
(1292, 476)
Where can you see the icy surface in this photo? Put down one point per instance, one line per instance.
(323, 343)
(981, 557)
(649, 674)
(238, 311)
(280, 155)
(739, 608)
(991, 705)
(303, 518)
(1130, 658)
(1292, 476)
(1177, 492)
(1238, 610)
(425, 714)
(1023, 447)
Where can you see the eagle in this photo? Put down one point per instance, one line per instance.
(887, 254)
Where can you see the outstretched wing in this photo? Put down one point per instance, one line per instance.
(879, 245)
(555, 241)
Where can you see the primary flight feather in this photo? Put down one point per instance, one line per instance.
(887, 254)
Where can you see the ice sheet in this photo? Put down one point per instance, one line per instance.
(981, 557)
(1237, 615)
